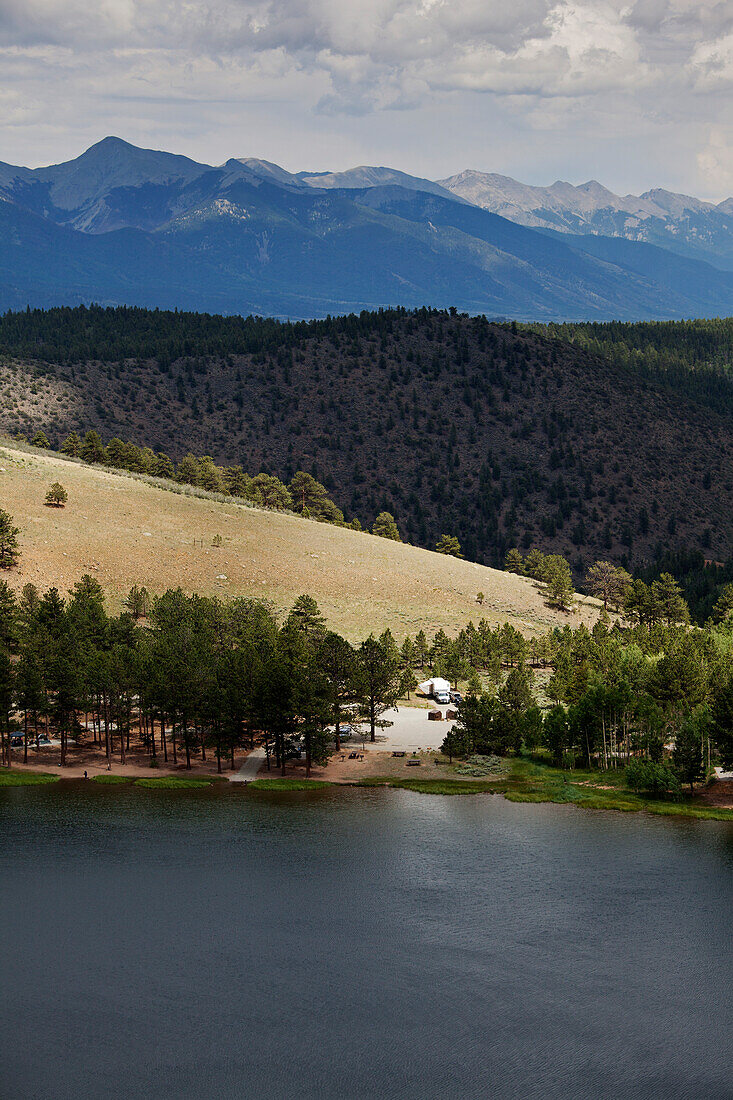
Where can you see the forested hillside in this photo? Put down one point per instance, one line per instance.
(499, 435)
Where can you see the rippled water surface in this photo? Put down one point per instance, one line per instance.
(359, 944)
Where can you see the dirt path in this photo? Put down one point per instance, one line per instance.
(250, 767)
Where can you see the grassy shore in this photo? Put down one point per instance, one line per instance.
(434, 786)
(524, 780)
(173, 782)
(593, 790)
(280, 783)
(26, 779)
(534, 781)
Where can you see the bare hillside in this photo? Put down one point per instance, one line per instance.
(125, 530)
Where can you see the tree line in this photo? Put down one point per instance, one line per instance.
(660, 600)
(191, 675)
(658, 701)
(188, 675)
(303, 495)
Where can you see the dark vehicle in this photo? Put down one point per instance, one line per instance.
(456, 697)
(16, 740)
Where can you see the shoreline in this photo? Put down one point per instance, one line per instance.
(523, 782)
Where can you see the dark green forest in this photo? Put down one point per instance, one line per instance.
(501, 435)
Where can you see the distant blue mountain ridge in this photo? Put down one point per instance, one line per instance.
(123, 225)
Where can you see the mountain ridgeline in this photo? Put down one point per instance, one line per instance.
(497, 434)
(128, 226)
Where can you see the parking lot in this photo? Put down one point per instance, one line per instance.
(410, 731)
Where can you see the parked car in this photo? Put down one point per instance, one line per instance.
(345, 731)
(16, 740)
(43, 740)
(456, 697)
(441, 697)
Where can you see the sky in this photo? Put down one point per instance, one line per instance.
(636, 94)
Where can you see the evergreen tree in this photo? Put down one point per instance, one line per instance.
(306, 617)
(114, 453)
(72, 445)
(721, 721)
(609, 583)
(337, 662)
(187, 471)
(384, 526)
(270, 492)
(516, 693)
(92, 449)
(559, 590)
(668, 601)
(687, 754)
(377, 682)
(238, 483)
(9, 619)
(513, 562)
(449, 544)
(56, 496)
(723, 610)
(138, 602)
(162, 467)
(311, 499)
(534, 564)
(40, 439)
(9, 552)
(210, 477)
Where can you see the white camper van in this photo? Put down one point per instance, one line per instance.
(437, 688)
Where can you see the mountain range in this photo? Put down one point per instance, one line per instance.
(123, 225)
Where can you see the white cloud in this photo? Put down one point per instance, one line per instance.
(154, 67)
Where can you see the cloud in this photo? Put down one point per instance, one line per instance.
(547, 64)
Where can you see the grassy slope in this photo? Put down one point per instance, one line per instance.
(499, 438)
(123, 530)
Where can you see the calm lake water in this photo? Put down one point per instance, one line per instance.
(359, 944)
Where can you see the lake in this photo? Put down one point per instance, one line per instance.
(359, 943)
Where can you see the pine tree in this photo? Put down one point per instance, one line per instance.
(559, 590)
(377, 681)
(384, 526)
(92, 449)
(513, 562)
(687, 754)
(449, 544)
(138, 602)
(9, 552)
(56, 497)
(608, 582)
(270, 492)
(668, 601)
(721, 721)
(305, 615)
(71, 445)
(114, 453)
(187, 470)
(723, 610)
(162, 467)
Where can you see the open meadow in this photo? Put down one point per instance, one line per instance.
(125, 530)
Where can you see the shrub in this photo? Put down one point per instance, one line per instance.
(56, 497)
(646, 777)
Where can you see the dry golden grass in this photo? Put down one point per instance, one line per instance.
(124, 531)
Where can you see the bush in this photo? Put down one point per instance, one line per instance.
(56, 497)
(646, 777)
(477, 765)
